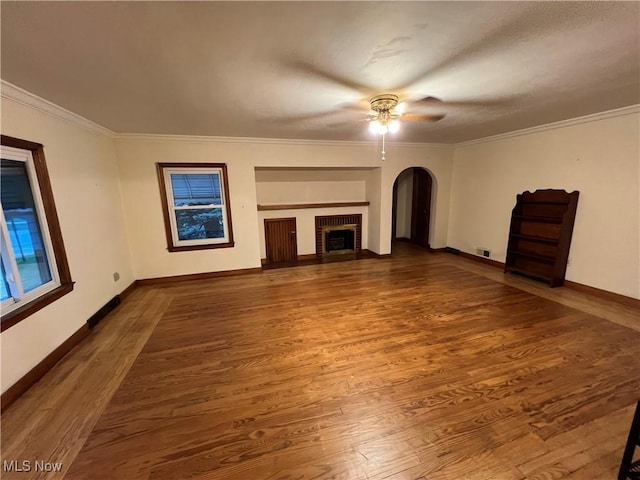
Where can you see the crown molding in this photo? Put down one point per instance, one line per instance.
(24, 97)
(134, 137)
(19, 95)
(594, 117)
(159, 137)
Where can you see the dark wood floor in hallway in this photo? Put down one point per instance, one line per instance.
(403, 368)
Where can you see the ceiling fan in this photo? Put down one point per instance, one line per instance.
(387, 113)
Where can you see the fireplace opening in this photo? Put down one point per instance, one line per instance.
(339, 239)
(338, 236)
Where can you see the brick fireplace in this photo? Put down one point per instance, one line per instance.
(338, 235)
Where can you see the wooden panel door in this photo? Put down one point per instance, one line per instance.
(421, 208)
(281, 240)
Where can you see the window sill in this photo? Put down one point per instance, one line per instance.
(15, 316)
(200, 247)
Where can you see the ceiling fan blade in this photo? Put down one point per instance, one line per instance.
(362, 106)
(417, 117)
(345, 109)
(430, 101)
(527, 22)
(347, 123)
(310, 69)
(293, 119)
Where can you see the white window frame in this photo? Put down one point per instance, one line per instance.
(18, 296)
(165, 170)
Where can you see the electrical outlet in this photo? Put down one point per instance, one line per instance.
(116, 276)
(483, 252)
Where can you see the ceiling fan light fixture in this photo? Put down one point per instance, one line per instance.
(382, 127)
(378, 128)
(385, 117)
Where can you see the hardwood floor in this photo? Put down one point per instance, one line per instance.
(422, 366)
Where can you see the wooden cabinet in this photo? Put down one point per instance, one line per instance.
(540, 234)
(281, 241)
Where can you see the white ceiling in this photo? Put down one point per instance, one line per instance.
(297, 69)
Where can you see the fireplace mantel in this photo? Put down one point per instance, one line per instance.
(298, 206)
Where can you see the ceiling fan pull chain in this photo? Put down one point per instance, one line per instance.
(383, 146)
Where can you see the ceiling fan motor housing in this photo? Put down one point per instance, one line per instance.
(384, 102)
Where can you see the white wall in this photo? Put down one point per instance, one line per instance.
(306, 225)
(110, 212)
(274, 193)
(298, 186)
(84, 179)
(137, 156)
(437, 160)
(143, 213)
(599, 158)
(374, 196)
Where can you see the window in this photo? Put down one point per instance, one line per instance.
(196, 207)
(33, 263)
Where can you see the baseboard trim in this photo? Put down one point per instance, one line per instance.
(604, 294)
(578, 287)
(37, 372)
(197, 276)
(128, 291)
(438, 250)
(299, 258)
(376, 255)
(486, 261)
(104, 311)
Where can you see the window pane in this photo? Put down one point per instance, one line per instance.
(22, 222)
(196, 189)
(201, 223)
(4, 285)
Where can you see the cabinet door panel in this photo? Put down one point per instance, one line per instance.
(281, 240)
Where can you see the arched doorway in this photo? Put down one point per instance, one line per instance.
(411, 209)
